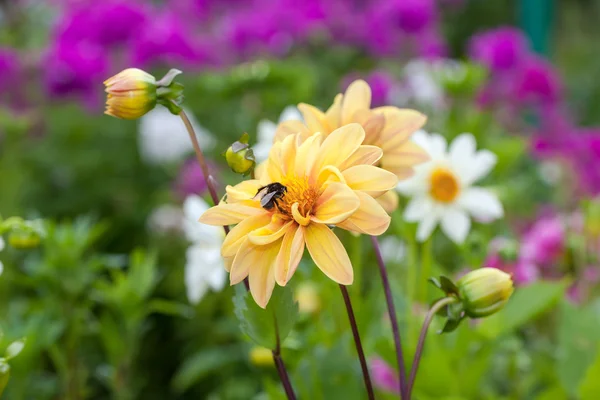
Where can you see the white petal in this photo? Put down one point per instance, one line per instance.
(418, 208)
(437, 146)
(217, 278)
(290, 113)
(481, 203)
(265, 131)
(393, 249)
(200, 264)
(163, 137)
(481, 165)
(426, 226)
(456, 224)
(193, 207)
(1, 268)
(418, 183)
(2, 244)
(464, 145)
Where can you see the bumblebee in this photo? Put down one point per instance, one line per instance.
(270, 194)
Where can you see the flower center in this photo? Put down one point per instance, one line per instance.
(444, 186)
(299, 199)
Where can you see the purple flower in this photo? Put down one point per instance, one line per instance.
(75, 69)
(537, 82)
(414, 16)
(544, 243)
(106, 23)
(384, 376)
(9, 69)
(167, 40)
(191, 179)
(500, 49)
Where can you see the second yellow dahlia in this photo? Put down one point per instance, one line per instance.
(388, 128)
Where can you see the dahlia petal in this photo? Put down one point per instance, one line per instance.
(336, 203)
(389, 201)
(314, 118)
(339, 145)
(239, 233)
(290, 254)
(400, 124)
(368, 155)
(307, 154)
(329, 254)
(292, 127)
(370, 179)
(244, 190)
(257, 263)
(370, 218)
(270, 233)
(332, 115)
(229, 214)
(357, 97)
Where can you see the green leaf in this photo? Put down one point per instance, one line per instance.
(14, 348)
(589, 389)
(526, 304)
(142, 275)
(578, 341)
(4, 375)
(260, 324)
(203, 363)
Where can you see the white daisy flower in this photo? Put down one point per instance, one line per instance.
(204, 267)
(265, 132)
(163, 138)
(441, 189)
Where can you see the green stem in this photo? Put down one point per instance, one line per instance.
(426, 258)
(428, 318)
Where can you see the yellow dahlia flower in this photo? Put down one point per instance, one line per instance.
(330, 181)
(388, 128)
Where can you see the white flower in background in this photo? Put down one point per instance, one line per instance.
(265, 132)
(423, 82)
(441, 189)
(163, 138)
(1, 248)
(204, 267)
(393, 249)
(165, 219)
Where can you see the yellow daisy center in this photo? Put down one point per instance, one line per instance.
(444, 186)
(299, 199)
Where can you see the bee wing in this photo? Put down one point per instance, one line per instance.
(267, 198)
(261, 192)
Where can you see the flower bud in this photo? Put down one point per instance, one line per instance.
(484, 291)
(308, 298)
(23, 239)
(240, 157)
(261, 356)
(131, 94)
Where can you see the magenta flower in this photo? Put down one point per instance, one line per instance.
(384, 376)
(544, 243)
(500, 49)
(537, 82)
(414, 16)
(191, 179)
(9, 69)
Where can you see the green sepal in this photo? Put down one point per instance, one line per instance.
(168, 78)
(445, 285)
(171, 97)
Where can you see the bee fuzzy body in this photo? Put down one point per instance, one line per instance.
(270, 194)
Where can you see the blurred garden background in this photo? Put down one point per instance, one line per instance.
(123, 295)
